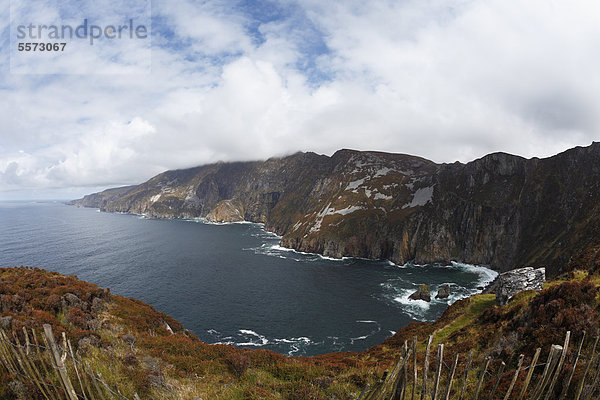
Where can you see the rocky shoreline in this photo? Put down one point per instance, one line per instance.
(491, 212)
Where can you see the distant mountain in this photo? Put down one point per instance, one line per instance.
(501, 210)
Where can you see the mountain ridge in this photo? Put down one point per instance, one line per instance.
(501, 210)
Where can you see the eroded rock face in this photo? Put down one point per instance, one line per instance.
(494, 211)
(423, 293)
(225, 211)
(443, 292)
(510, 283)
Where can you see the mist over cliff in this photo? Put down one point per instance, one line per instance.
(501, 210)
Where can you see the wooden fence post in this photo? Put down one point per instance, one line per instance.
(405, 374)
(498, 377)
(588, 364)
(559, 366)
(451, 377)
(515, 376)
(592, 388)
(94, 380)
(25, 365)
(425, 368)
(550, 364)
(438, 373)
(74, 361)
(53, 391)
(567, 383)
(482, 373)
(415, 377)
(466, 375)
(62, 370)
(530, 372)
(5, 354)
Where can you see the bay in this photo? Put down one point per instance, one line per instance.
(231, 283)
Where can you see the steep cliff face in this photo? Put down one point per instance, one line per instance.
(102, 199)
(501, 210)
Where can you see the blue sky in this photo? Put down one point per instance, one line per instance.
(243, 80)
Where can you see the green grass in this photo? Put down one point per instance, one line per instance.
(575, 276)
(477, 305)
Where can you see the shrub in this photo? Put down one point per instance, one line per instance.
(237, 363)
(77, 318)
(130, 359)
(570, 306)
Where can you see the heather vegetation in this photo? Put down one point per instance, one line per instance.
(140, 350)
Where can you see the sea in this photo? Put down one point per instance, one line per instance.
(232, 283)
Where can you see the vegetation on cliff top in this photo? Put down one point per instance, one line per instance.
(140, 350)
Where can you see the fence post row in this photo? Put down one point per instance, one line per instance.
(395, 385)
(49, 369)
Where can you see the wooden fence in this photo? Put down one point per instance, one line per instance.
(535, 381)
(53, 367)
(59, 373)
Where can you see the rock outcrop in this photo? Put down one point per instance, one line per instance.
(225, 211)
(423, 293)
(443, 292)
(510, 283)
(500, 210)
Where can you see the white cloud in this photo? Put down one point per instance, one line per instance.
(445, 80)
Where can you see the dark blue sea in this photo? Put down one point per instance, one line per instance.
(231, 283)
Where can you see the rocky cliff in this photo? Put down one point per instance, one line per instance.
(503, 211)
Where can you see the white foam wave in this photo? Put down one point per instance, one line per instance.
(277, 250)
(392, 264)
(352, 340)
(486, 275)
(263, 234)
(415, 308)
(296, 344)
(261, 339)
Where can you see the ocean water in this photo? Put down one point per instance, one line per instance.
(231, 283)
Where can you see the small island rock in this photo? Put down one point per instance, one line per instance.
(422, 294)
(443, 292)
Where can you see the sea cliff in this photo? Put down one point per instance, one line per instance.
(501, 210)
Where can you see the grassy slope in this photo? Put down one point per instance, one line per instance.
(155, 363)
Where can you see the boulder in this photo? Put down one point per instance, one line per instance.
(69, 300)
(93, 324)
(98, 305)
(422, 294)
(512, 282)
(443, 292)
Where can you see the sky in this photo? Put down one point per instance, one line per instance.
(225, 80)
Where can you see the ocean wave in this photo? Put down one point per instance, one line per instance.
(416, 309)
(486, 275)
(399, 288)
(292, 346)
(276, 250)
(263, 234)
(262, 340)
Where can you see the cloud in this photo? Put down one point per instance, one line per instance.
(447, 80)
